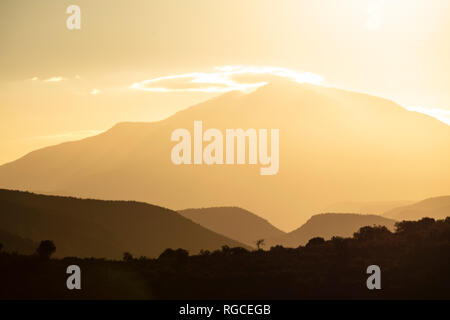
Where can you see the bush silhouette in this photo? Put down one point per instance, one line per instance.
(277, 249)
(238, 250)
(315, 241)
(414, 262)
(412, 227)
(46, 249)
(174, 256)
(127, 257)
(372, 233)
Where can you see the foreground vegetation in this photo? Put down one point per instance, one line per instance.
(414, 262)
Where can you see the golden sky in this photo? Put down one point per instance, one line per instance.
(143, 60)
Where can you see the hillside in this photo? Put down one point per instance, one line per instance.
(327, 225)
(85, 228)
(233, 222)
(367, 207)
(413, 263)
(14, 243)
(437, 208)
(333, 145)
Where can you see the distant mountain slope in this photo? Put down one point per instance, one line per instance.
(233, 222)
(365, 207)
(333, 145)
(84, 228)
(437, 208)
(327, 225)
(14, 243)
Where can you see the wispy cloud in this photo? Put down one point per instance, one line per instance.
(224, 79)
(440, 114)
(54, 79)
(78, 84)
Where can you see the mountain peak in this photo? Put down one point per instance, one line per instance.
(333, 145)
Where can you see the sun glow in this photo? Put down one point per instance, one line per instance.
(224, 79)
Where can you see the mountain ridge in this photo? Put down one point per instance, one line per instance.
(359, 146)
(98, 228)
(327, 225)
(233, 222)
(434, 207)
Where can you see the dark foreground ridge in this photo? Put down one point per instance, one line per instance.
(414, 262)
(97, 228)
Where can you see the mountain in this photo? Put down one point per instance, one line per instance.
(14, 243)
(327, 225)
(333, 145)
(85, 228)
(233, 222)
(368, 207)
(437, 208)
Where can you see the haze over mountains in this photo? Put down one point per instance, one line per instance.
(235, 223)
(436, 208)
(327, 225)
(247, 227)
(366, 207)
(334, 145)
(94, 228)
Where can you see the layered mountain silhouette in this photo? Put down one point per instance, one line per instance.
(328, 225)
(436, 208)
(235, 223)
(334, 145)
(94, 228)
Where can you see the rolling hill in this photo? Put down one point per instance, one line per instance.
(334, 145)
(233, 222)
(437, 208)
(94, 228)
(327, 225)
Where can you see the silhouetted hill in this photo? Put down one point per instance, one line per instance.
(436, 208)
(327, 225)
(414, 264)
(334, 145)
(233, 222)
(14, 243)
(85, 228)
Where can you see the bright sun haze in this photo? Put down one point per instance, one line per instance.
(147, 61)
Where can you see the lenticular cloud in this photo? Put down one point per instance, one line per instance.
(225, 79)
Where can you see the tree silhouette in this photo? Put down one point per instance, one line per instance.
(414, 259)
(315, 241)
(127, 257)
(46, 249)
(371, 233)
(412, 227)
(174, 256)
(260, 243)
